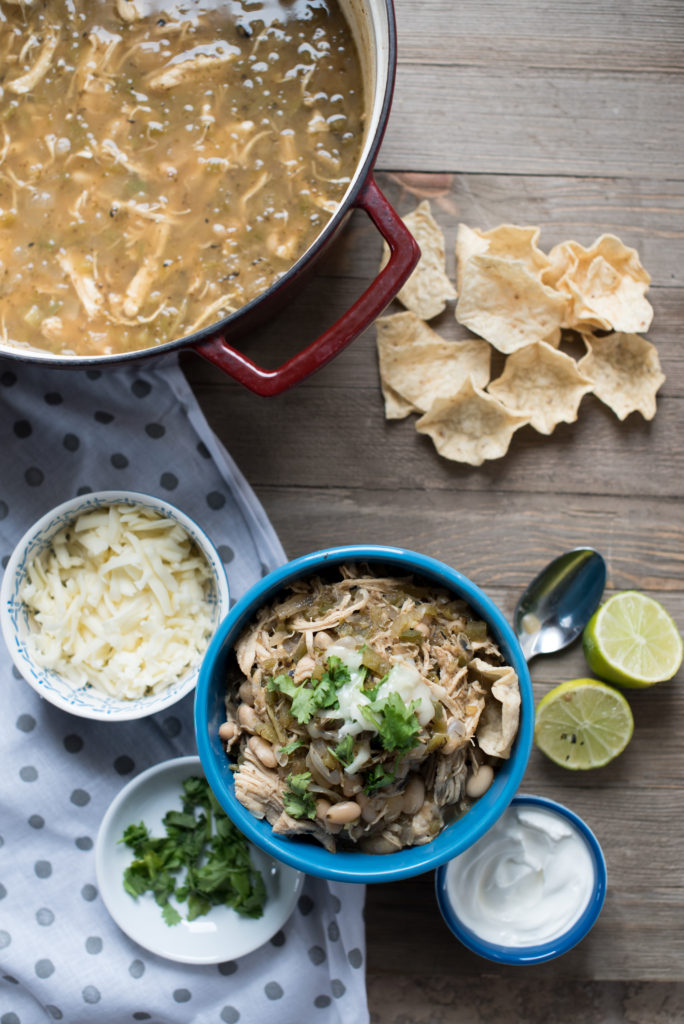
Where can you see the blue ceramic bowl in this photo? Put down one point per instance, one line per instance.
(306, 855)
(533, 954)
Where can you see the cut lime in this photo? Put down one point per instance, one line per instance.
(583, 724)
(632, 641)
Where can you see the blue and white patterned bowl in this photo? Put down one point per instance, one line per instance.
(86, 701)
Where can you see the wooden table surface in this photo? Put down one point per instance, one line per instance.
(566, 114)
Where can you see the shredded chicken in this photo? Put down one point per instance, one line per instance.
(28, 81)
(358, 709)
(192, 65)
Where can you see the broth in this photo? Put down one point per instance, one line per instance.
(161, 163)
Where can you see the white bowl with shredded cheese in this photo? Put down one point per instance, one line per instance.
(109, 602)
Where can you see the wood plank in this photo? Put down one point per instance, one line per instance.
(527, 533)
(598, 454)
(529, 122)
(529, 994)
(533, 89)
(625, 943)
(632, 37)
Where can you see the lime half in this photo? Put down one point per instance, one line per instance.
(632, 641)
(583, 724)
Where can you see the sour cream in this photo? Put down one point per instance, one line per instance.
(527, 881)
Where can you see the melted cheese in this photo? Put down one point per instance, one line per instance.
(403, 678)
(119, 600)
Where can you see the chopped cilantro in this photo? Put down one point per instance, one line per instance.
(313, 694)
(378, 777)
(372, 691)
(291, 747)
(337, 671)
(284, 683)
(399, 726)
(344, 751)
(396, 723)
(304, 704)
(297, 800)
(202, 841)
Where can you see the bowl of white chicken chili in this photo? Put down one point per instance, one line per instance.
(168, 170)
(364, 713)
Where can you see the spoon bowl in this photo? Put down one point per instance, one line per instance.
(556, 606)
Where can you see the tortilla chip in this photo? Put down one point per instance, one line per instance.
(544, 383)
(396, 407)
(428, 289)
(504, 303)
(508, 241)
(606, 285)
(562, 258)
(498, 725)
(418, 365)
(470, 426)
(625, 371)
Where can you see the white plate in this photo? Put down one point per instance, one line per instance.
(222, 934)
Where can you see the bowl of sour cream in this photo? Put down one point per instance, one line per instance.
(529, 889)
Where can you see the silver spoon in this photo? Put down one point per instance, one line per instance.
(558, 603)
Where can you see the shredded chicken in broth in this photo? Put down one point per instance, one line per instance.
(162, 162)
(367, 712)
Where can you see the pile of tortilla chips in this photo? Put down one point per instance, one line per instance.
(519, 301)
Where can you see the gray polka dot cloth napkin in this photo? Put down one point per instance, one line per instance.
(62, 958)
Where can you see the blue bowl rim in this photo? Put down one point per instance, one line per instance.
(355, 866)
(520, 955)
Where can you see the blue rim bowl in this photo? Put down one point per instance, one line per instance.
(520, 955)
(305, 854)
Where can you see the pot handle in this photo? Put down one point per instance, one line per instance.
(404, 254)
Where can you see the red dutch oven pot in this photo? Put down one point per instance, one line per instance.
(373, 26)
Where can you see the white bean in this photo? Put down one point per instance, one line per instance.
(478, 784)
(393, 807)
(344, 812)
(228, 731)
(248, 718)
(262, 749)
(371, 807)
(322, 807)
(379, 844)
(245, 693)
(414, 794)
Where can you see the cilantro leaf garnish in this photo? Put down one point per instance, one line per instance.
(344, 751)
(396, 723)
(291, 747)
(336, 671)
(297, 800)
(399, 725)
(377, 777)
(202, 842)
(312, 694)
(304, 704)
(284, 683)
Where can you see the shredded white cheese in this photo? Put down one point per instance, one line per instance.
(120, 600)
